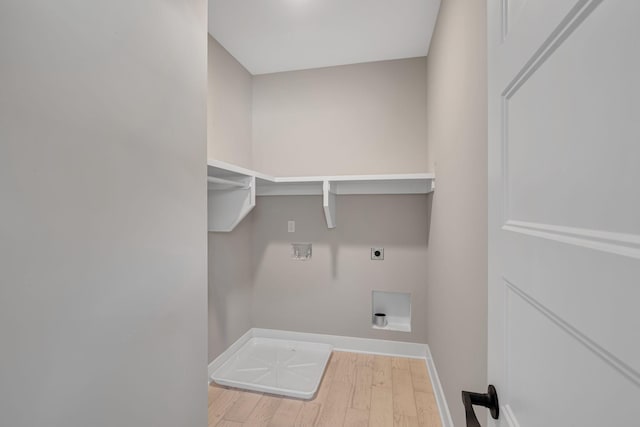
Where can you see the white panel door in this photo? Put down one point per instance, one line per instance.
(564, 209)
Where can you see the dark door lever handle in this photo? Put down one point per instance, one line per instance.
(488, 400)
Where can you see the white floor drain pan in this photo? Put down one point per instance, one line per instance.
(287, 368)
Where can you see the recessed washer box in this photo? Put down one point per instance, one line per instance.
(267, 365)
(397, 308)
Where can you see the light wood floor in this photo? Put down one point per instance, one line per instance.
(357, 390)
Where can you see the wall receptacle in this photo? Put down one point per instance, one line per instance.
(291, 226)
(377, 254)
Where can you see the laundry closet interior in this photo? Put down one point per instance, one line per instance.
(322, 185)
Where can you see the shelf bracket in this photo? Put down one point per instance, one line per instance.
(329, 203)
(227, 208)
(226, 183)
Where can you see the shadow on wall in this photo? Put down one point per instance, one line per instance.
(230, 285)
(392, 221)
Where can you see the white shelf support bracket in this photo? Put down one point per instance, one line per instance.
(227, 208)
(329, 203)
(222, 183)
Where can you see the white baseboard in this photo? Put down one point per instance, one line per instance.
(441, 401)
(355, 345)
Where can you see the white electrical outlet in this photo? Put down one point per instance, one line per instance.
(291, 226)
(377, 254)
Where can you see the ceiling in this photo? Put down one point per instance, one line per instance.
(268, 36)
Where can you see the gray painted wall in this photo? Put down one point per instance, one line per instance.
(331, 293)
(229, 108)
(229, 139)
(103, 217)
(457, 255)
(230, 286)
(363, 118)
(352, 119)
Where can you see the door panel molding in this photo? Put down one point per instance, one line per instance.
(624, 244)
(510, 12)
(576, 15)
(567, 26)
(526, 28)
(609, 358)
(509, 416)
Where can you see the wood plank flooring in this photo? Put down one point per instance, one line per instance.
(358, 390)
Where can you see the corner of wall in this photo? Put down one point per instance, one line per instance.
(229, 112)
(457, 151)
(229, 130)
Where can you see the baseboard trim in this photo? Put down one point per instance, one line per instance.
(357, 345)
(441, 401)
(351, 344)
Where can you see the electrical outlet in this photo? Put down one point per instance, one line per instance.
(377, 254)
(291, 226)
